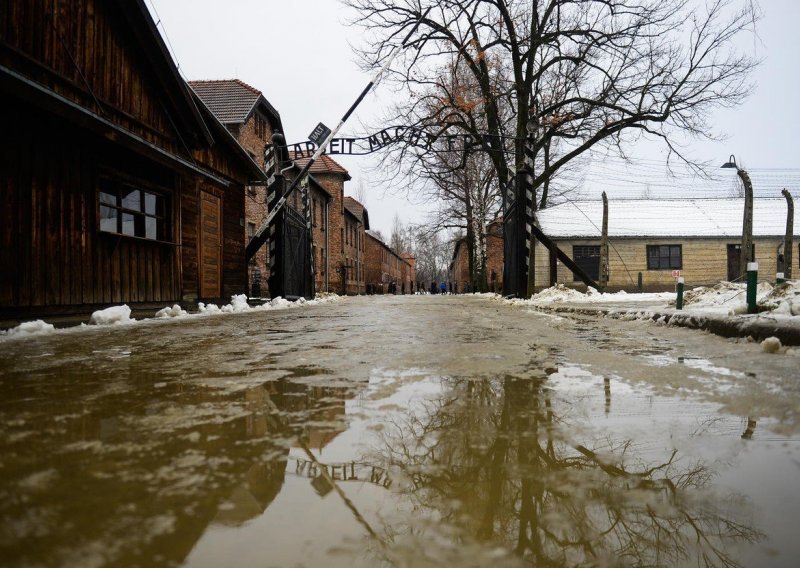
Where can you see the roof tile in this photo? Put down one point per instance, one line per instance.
(231, 100)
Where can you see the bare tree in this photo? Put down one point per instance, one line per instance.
(361, 192)
(573, 75)
(432, 254)
(399, 241)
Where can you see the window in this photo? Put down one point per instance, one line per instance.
(664, 257)
(132, 211)
(251, 230)
(587, 257)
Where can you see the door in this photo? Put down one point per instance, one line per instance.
(734, 261)
(210, 245)
(587, 257)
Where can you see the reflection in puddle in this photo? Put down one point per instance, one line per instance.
(119, 462)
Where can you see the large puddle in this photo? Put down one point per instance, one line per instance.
(185, 448)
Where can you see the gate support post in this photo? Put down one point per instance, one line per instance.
(309, 288)
(518, 226)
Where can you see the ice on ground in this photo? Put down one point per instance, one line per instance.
(112, 315)
(37, 327)
(173, 312)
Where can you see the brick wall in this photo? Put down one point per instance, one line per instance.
(354, 253)
(255, 199)
(409, 273)
(495, 253)
(334, 184)
(459, 272)
(319, 233)
(382, 266)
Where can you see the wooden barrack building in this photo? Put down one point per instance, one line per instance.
(117, 184)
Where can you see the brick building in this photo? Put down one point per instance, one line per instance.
(384, 269)
(356, 224)
(409, 285)
(252, 120)
(327, 190)
(459, 267)
(495, 253)
(320, 233)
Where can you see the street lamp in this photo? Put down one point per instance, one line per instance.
(746, 253)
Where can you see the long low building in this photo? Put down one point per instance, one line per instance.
(118, 184)
(652, 240)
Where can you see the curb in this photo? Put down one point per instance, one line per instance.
(759, 327)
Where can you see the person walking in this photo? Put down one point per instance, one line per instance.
(443, 287)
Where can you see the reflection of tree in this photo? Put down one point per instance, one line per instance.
(497, 448)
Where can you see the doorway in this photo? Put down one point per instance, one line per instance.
(210, 245)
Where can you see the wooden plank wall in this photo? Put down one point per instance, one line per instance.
(51, 253)
(83, 50)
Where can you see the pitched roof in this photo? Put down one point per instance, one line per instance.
(232, 101)
(357, 209)
(663, 218)
(323, 165)
(161, 63)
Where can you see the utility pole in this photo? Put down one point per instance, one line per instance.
(604, 246)
(788, 245)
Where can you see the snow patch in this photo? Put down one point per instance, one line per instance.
(173, 312)
(238, 304)
(208, 309)
(37, 327)
(112, 316)
(122, 314)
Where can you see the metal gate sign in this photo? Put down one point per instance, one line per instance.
(319, 134)
(409, 135)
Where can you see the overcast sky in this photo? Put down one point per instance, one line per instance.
(297, 52)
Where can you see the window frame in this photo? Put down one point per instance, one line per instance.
(119, 189)
(660, 248)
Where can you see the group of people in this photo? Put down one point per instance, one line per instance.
(442, 288)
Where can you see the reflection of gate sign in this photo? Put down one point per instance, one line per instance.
(349, 471)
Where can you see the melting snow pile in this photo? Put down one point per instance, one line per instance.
(238, 304)
(173, 312)
(30, 328)
(122, 314)
(730, 298)
(560, 293)
(784, 299)
(112, 315)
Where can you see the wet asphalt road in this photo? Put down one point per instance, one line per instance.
(410, 431)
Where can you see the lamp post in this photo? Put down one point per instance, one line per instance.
(746, 254)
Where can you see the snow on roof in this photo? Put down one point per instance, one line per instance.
(664, 218)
